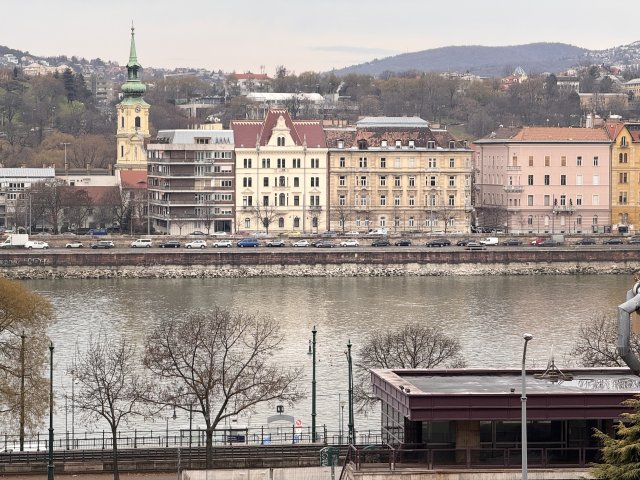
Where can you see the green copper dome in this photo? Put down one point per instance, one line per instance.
(133, 86)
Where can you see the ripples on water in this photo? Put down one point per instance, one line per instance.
(488, 314)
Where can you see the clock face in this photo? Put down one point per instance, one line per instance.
(138, 108)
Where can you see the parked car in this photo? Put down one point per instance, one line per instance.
(103, 244)
(403, 242)
(381, 242)
(74, 244)
(548, 242)
(476, 246)
(463, 242)
(171, 244)
(512, 242)
(222, 244)
(219, 234)
(634, 240)
(196, 244)
(613, 241)
(301, 243)
(352, 242)
(490, 241)
(197, 232)
(324, 244)
(538, 240)
(248, 242)
(586, 241)
(37, 244)
(276, 243)
(142, 243)
(438, 242)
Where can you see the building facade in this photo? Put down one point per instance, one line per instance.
(625, 177)
(281, 173)
(544, 180)
(16, 204)
(400, 174)
(191, 181)
(132, 116)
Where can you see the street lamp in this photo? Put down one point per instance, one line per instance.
(351, 425)
(313, 387)
(66, 166)
(523, 399)
(50, 464)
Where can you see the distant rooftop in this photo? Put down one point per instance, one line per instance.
(392, 122)
(27, 172)
(216, 137)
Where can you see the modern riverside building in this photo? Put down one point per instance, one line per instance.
(625, 176)
(16, 205)
(191, 181)
(400, 174)
(544, 180)
(281, 170)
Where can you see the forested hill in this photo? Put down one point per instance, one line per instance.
(479, 60)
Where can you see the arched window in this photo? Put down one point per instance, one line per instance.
(314, 222)
(296, 222)
(122, 151)
(530, 220)
(122, 122)
(281, 201)
(281, 222)
(137, 122)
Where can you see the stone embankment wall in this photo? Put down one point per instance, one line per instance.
(310, 262)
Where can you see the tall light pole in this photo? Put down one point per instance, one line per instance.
(523, 399)
(22, 337)
(313, 387)
(50, 465)
(66, 165)
(352, 438)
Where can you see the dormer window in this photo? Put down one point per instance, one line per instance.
(623, 142)
(431, 144)
(340, 143)
(412, 144)
(452, 144)
(398, 143)
(383, 144)
(280, 141)
(362, 145)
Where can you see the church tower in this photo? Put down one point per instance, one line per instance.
(133, 117)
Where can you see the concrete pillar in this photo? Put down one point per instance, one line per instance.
(467, 436)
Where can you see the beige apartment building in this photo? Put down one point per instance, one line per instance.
(625, 175)
(398, 173)
(281, 174)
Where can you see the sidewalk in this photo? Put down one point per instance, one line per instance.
(96, 476)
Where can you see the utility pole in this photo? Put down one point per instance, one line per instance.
(313, 388)
(22, 337)
(66, 165)
(50, 464)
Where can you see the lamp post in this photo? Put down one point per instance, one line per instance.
(523, 399)
(351, 425)
(50, 464)
(66, 166)
(313, 386)
(22, 338)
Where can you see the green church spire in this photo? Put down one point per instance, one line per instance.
(133, 87)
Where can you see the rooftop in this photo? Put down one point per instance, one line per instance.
(392, 122)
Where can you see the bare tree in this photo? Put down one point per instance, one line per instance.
(596, 343)
(342, 214)
(110, 385)
(446, 213)
(77, 207)
(208, 216)
(179, 222)
(266, 214)
(411, 346)
(220, 361)
(116, 206)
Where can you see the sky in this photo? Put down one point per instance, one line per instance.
(256, 35)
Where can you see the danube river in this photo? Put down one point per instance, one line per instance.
(488, 314)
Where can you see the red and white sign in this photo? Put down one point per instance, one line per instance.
(298, 423)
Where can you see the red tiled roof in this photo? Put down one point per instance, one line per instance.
(133, 179)
(613, 128)
(537, 134)
(248, 133)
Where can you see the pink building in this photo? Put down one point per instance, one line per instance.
(544, 180)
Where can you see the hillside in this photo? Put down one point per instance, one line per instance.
(479, 60)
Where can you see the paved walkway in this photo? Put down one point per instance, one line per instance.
(96, 476)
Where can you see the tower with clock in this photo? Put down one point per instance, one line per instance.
(133, 117)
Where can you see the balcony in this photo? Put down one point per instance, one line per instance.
(514, 188)
(513, 168)
(563, 209)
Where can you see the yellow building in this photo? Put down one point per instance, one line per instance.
(625, 176)
(133, 117)
(398, 173)
(281, 174)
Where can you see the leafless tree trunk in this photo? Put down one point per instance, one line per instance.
(220, 361)
(266, 214)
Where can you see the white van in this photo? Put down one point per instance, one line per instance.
(142, 243)
(489, 241)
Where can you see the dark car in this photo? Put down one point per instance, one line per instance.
(586, 241)
(248, 242)
(381, 242)
(403, 242)
(613, 241)
(324, 244)
(170, 244)
(103, 244)
(634, 240)
(276, 243)
(463, 242)
(549, 242)
(438, 242)
(197, 232)
(512, 242)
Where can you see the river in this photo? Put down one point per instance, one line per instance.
(488, 314)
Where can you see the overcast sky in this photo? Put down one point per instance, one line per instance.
(244, 35)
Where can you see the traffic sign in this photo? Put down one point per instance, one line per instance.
(298, 423)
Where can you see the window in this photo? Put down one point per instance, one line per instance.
(383, 180)
(398, 143)
(547, 160)
(265, 182)
(342, 200)
(265, 200)
(397, 182)
(315, 163)
(596, 179)
(412, 162)
(396, 162)
(412, 222)
(578, 199)
(383, 143)
(595, 161)
(530, 180)
(622, 198)
(579, 220)
(530, 200)
(281, 221)
(340, 143)
(623, 177)
(623, 141)
(452, 181)
(431, 144)
(578, 161)
(595, 200)
(314, 200)
(266, 163)
(563, 179)
(362, 144)
(281, 163)
(452, 200)
(383, 200)
(397, 200)
(363, 200)
(282, 200)
(563, 200)
(296, 181)
(296, 163)
(226, 183)
(452, 163)
(531, 160)
(363, 181)
(282, 182)
(412, 201)
(247, 163)
(363, 162)
(247, 201)
(342, 162)
(412, 181)
(514, 161)
(122, 151)
(433, 201)
(578, 179)
(594, 220)
(547, 200)
(530, 220)
(247, 223)
(546, 179)
(383, 163)
(432, 181)
(296, 200)
(563, 161)
(412, 144)
(433, 163)
(315, 181)
(342, 181)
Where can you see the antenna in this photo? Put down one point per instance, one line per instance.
(553, 373)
